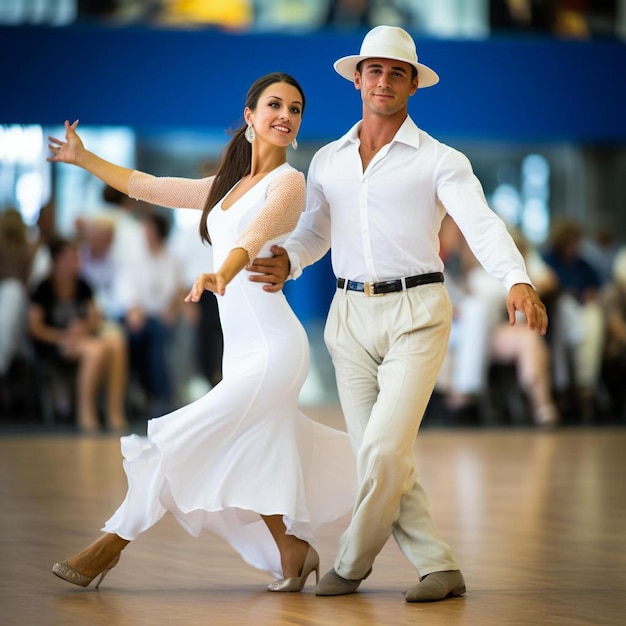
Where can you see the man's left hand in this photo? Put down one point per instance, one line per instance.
(522, 297)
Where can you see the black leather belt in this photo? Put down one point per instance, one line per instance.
(389, 286)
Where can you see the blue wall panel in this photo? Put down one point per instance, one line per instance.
(152, 79)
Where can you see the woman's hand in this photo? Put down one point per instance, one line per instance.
(68, 151)
(73, 151)
(211, 282)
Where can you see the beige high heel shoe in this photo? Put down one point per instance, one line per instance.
(64, 571)
(296, 583)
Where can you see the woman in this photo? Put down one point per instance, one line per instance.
(16, 257)
(68, 328)
(241, 461)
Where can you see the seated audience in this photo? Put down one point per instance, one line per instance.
(462, 379)
(614, 363)
(66, 327)
(16, 257)
(529, 351)
(98, 267)
(481, 334)
(128, 248)
(580, 315)
(45, 232)
(151, 295)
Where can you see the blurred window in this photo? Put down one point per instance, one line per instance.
(24, 173)
(51, 12)
(26, 177)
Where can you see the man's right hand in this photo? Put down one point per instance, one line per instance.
(272, 270)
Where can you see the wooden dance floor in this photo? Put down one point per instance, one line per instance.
(537, 521)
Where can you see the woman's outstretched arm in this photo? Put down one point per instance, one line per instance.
(174, 193)
(73, 151)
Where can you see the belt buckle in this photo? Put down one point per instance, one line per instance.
(368, 289)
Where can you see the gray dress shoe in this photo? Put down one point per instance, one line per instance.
(437, 586)
(331, 584)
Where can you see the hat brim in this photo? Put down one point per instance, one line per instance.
(346, 67)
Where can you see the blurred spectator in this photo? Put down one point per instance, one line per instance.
(581, 319)
(603, 16)
(528, 350)
(600, 252)
(349, 14)
(97, 9)
(151, 295)
(119, 11)
(482, 336)
(111, 243)
(16, 256)
(571, 19)
(462, 377)
(530, 15)
(614, 364)
(45, 233)
(102, 270)
(363, 14)
(292, 15)
(450, 19)
(129, 246)
(98, 268)
(230, 15)
(66, 327)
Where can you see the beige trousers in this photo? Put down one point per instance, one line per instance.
(387, 351)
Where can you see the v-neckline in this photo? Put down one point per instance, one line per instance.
(245, 193)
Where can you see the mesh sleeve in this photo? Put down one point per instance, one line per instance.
(175, 193)
(279, 215)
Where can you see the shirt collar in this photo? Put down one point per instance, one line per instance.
(352, 136)
(408, 134)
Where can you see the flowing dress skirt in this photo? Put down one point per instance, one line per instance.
(244, 449)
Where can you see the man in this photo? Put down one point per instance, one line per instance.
(379, 194)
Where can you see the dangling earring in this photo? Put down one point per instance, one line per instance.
(294, 144)
(249, 134)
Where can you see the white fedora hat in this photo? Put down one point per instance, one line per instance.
(387, 42)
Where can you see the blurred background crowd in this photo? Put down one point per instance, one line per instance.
(125, 347)
(444, 18)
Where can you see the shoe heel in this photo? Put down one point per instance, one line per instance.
(296, 583)
(107, 569)
(104, 573)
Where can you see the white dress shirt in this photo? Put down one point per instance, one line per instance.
(383, 224)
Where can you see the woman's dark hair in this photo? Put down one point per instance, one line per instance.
(235, 161)
(58, 245)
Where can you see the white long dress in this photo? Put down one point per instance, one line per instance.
(243, 449)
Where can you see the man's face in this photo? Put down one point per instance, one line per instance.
(385, 85)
